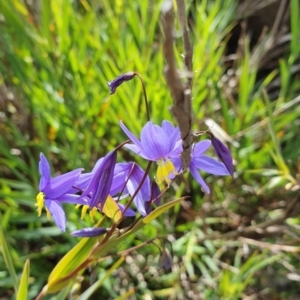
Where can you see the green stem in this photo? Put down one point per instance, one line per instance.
(145, 96)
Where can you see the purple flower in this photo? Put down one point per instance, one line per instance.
(224, 154)
(165, 259)
(119, 80)
(156, 144)
(85, 178)
(100, 183)
(53, 191)
(202, 162)
(132, 174)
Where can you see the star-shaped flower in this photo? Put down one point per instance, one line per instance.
(130, 175)
(54, 191)
(157, 143)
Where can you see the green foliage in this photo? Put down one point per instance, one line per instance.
(23, 288)
(8, 260)
(233, 283)
(55, 59)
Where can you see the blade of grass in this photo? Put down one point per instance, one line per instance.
(8, 260)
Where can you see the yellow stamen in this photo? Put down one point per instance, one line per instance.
(92, 212)
(170, 167)
(83, 211)
(40, 202)
(164, 170)
(48, 214)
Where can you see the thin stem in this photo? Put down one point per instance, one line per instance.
(163, 192)
(149, 204)
(40, 295)
(124, 186)
(125, 252)
(139, 187)
(121, 145)
(198, 133)
(70, 275)
(115, 225)
(145, 96)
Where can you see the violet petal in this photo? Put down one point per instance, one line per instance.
(198, 178)
(201, 147)
(154, 141)
(210, 165)
(131, 136)
(44, 169)
(57, 213)
(101, 182)
(59, 185)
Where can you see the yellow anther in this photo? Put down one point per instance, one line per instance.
(48, 214)
(85, 208)
(40, 202)
(93, 212)
(83, 211)
(170, 168)
(164, 170)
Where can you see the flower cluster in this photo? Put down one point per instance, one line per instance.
(109, 183)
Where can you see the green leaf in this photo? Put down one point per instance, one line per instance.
(23, 287)
(62, 273)
(126, 295)
(63, 294)
(160, 210)
(88, 293)
(7, 259)
(114, 241)
(211, 263)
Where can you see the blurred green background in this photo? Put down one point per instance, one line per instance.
(239, 242)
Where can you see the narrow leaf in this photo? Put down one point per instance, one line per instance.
(8, 260)
(69, 263)
(93, 288)
(160, 210)
(126, 295)
(23, 287)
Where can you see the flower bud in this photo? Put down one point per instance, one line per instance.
(119, 80)
(224, 154)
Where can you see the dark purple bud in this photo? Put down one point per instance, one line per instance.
(89, 232)
(100, 184)
(165, 260)
(119, 80)
(224, 154)
(155, 192)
